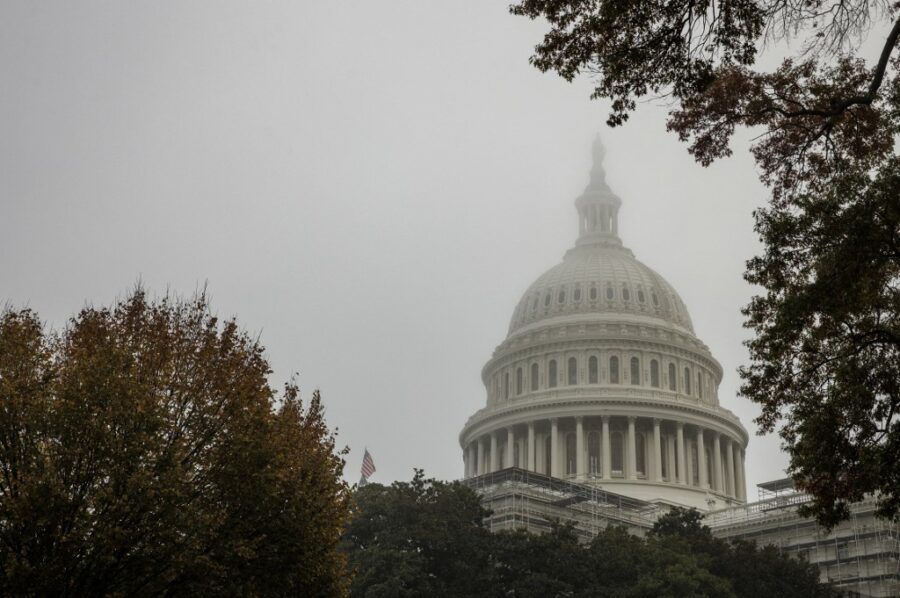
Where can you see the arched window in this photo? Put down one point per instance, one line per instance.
(561, 298)
(654, 299)
(534, 376)
(519, 381)
(593, 293)
(610, 293)
(626, 294)
(571, 452)
(576, 294)
(673, 378)
(551, 374)
(640, 454)
(635, 371)
(548, 455)
(535, 304)
(573, 371)
(640, 295)
(613, 370)
(654, 373)
(700, 384)
(593, 377)
(687, 381)
(617, 453)
(506, 385)
(593, 441)
(547, 299)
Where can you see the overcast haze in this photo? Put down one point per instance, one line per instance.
(371, 186)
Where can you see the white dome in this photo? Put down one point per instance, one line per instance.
(599, 278)
(602, 380)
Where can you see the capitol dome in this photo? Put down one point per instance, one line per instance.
(602, 380)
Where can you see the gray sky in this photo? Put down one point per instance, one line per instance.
(369, 185)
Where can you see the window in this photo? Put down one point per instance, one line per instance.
(571, 452)
(551, 374)
(547, 299)
(593, 441)
(640, 295)
(592, 370)
(700, 385)
(626, 294)
(640, 454)
(506, 385)
(573, 371)
(687, 381)
(576, 295)
(654, 299)
(654, 373)
(610, 293)
(664, 457)
(561, 298)
(843, 551)
(593, 293)
(673, 378)
(613, 370)
(617, 445)
(635, 371)
(535, 304)
(534, 376)
(695, 465)
(519, 381)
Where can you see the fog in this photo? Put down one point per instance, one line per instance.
(369, 186)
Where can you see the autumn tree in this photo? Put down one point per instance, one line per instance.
(143, 452)
(825, 357)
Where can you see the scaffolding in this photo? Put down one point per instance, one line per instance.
(859, 557)
(518, 498)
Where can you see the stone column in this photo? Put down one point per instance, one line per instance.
(495, 454)
(554, 448)
(510, 447)
(670, 456)
(682, 469)
(579, 447)
(631, 470)
(531, 464)
(741, 487)
(607, 456)
(701, 459)
(717, 464)
(657, 451)
(729, 464)
(480, 464)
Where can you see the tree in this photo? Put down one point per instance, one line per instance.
(752, 570)
(419, 538)
(427, 538)
(143, 452)
(825, 358)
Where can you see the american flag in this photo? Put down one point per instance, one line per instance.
(368, 467)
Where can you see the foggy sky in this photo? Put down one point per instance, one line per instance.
(371, 186)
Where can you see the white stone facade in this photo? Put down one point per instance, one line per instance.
(601, 380)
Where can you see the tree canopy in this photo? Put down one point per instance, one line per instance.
(143, 452)
(825, 357)
(427, 538)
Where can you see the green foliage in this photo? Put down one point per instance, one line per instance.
(142, 452)
(825, 357)
(426, 538)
